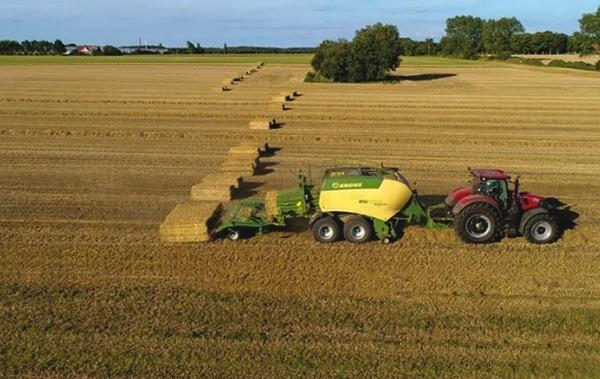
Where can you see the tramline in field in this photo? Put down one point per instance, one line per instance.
(360, 203)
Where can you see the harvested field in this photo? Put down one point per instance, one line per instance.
(93, 158)
(592, 59)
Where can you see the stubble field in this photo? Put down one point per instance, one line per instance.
(93, 158)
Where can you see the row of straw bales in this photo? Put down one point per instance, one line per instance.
(192, 221)
(280, 102)
(228, 83)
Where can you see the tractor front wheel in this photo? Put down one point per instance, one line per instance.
(477, 224)
(326, 230)
(541, 229)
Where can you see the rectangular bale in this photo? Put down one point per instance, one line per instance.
(220, 192)
(190, 222)
(243, 169)
(260, 124)
(245, 148)
(241, 161)
(279, 99)
(220, 178)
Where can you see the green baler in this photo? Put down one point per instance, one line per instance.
(361, 202)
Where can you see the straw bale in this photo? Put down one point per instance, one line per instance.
(260, 124)
(244, 148)
(228, 179)
(271, 203)
(280, 99)
(190, 222)
(212, 192)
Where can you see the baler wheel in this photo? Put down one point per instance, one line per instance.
(358, 230)
(326, 230)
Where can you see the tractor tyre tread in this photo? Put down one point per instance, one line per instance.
(470, 210)
(527, 232)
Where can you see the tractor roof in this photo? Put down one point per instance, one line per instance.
(484, 173)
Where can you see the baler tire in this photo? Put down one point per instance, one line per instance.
(326, 230)
(487, 214)
(358, 230)
(548, 235)
(233, 234)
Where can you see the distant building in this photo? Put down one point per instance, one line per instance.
(80, 49)
(144, 49)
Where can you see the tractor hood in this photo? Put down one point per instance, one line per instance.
(530, 200)
(457, 195)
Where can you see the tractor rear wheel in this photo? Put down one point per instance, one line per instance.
(358, 230)
(541, 229)
(477, 224)
(326, 230)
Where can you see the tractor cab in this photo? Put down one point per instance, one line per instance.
(492, 183)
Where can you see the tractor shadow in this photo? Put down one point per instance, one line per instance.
(564, 214)
(417, 77)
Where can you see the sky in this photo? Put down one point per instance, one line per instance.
(281, 23)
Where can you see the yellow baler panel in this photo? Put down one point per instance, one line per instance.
(381, 203)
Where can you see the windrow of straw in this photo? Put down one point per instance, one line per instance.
(190, 222)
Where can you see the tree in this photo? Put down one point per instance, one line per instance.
(463, 37)
(225, 48)
(190, 47)
(580, 44)
(374, 51)
(497, 36)
(111, 50)
(590, 26)
(58, 47)
(521, 43)
(8, 47)
(331, 60)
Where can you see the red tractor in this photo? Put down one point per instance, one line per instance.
(490, 209)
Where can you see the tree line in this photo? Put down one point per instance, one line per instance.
(9, 47)
(468, 37)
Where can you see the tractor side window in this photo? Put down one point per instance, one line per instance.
(496, 189)
(476, 184)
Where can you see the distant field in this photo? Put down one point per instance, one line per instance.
(592, 59)
(221, 59)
